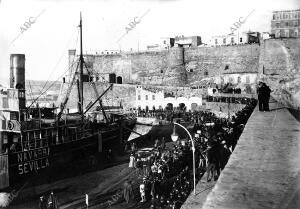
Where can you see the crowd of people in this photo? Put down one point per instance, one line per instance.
(235, 100)
(166, 171)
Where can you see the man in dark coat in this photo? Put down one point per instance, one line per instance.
(266, 96)
(52, 201)
(260, 95)
(42, 203)
(213, 158)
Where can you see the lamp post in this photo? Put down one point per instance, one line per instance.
(174, 138)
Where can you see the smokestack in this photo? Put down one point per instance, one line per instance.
(17, 71)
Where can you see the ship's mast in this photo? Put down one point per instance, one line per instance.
(81, 60)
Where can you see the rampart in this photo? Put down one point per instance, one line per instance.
(213, 61)
(276, 60)
(280, 62)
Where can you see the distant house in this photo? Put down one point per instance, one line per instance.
(187, 41)
(286, 23)
(165, 43)
(235, 39)
(178, 41)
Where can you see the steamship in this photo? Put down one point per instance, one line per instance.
(40, 145)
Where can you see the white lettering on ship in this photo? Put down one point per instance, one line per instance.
(33, 160)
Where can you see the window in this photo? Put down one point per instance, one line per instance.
(277, 25)
(273, 17)
(153, 97)
(139, 97)
(232, 40)
(296, 24)
(224, 40)
(286, 24)
(206, 72)
(286, 33)
(146, 97)
(216, 41)
(226, 67)
(241, 39)
(165, 42)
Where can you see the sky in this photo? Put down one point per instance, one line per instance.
(52, 26)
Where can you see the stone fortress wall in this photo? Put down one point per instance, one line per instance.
(176, 66)
(183, 67)
(214, 61)
(280, 68)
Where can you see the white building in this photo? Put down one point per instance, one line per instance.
(146, 99)
(164, 43)
(237, 78)
(235, 39)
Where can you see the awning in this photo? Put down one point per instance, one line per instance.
(142, 127)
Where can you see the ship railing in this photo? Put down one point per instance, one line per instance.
(68, 138)
(38, 138)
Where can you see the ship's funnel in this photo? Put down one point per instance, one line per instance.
(17, 71)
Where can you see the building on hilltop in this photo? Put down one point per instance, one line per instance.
(187, 41)
(165, 43)
(286, 23)
(178, 41)
(235, 39)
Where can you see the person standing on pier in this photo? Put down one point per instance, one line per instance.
(266, 96)
(52, 201)
(42, 203)
(260, 95)
(128, 191)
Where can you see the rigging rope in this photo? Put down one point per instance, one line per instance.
(44, 86)
(30, 90)
(40, 90)
(50, 85)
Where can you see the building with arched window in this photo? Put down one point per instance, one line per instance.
(159, 100)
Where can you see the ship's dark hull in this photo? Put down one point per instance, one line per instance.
(57, 161)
